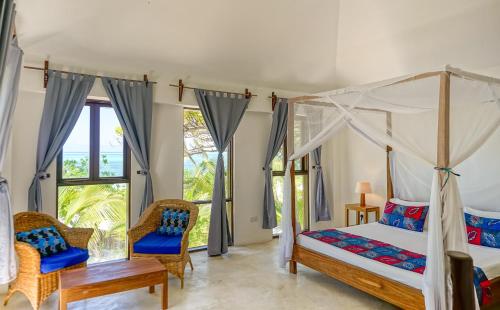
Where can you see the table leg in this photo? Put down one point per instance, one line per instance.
(357, 217)
(366, 216)
(164, 295)
(151, 289)
(377, 214)
(347, 217)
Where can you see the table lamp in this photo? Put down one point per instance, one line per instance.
(363, 188)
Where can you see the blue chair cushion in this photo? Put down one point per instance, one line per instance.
(47, 240)
(68, 258)
(154, 243)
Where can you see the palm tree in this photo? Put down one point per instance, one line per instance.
(102, 207)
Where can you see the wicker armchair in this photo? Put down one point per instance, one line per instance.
(150, 221)
(30, 281)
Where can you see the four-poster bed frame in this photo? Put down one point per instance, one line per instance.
(394, 292)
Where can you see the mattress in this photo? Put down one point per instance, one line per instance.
(488, 259)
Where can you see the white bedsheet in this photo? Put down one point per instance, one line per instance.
(488, 259)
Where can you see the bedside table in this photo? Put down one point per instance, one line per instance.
(360, 210)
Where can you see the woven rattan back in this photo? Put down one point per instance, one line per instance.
(152, 215)
(26, 221)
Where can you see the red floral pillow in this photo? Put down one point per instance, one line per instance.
(407, 217)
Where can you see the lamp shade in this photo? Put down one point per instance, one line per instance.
(363, 187)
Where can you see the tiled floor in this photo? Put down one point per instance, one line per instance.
(247, 278)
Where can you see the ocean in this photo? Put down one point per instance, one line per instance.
(115, 160)
(114, 164)
(198, 158)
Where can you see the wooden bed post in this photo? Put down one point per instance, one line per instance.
(290, 145)
(390, 189)
(443, 147)
(463, 293)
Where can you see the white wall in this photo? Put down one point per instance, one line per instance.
(250, 146)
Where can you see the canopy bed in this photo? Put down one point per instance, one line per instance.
(435, 120)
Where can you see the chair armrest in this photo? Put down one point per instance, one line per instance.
(184, 243)
(185, 237)
(185, 240)
(78, 237)
(29, 258)
(136, 233)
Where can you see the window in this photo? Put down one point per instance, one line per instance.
(301, 187)
(200, 160)
(93, 173)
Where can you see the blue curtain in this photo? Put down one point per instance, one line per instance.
(7, 15)
(222, 113)
(321, 207)
(8, 95)
(276, 138)
(133, 104)
(64, 100)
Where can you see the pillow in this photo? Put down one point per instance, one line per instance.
(47, 240)
(173, 222)
(407, 217)
(412, 204)
(483, 231)
(408, 203)
(481, 213)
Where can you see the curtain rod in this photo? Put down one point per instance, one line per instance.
(97, 76)
(181, 88)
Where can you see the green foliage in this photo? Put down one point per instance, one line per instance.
(199, 173)
(299, 198)
(104, 164)
(199, 183)
(74, 169)
(199, 234)
(102, 207)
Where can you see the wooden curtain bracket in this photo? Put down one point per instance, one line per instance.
(146, 79)
(248, 94)
(181, 89)
(45, 73)
(274, 100)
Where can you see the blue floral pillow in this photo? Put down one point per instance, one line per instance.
(483, 231)
(48, 241)
(173, 222)
(407, 217)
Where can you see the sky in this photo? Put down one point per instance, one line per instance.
(79, 139)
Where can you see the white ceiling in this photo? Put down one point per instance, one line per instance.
(380, 39)
(267, 43)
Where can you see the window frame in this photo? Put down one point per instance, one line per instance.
(229, 199)
(304, 171)
(94, 149)
(95, 179)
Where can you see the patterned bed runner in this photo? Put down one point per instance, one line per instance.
(391, 255)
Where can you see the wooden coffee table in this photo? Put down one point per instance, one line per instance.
(110, 278)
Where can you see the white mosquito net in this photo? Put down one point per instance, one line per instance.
(411, 106)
